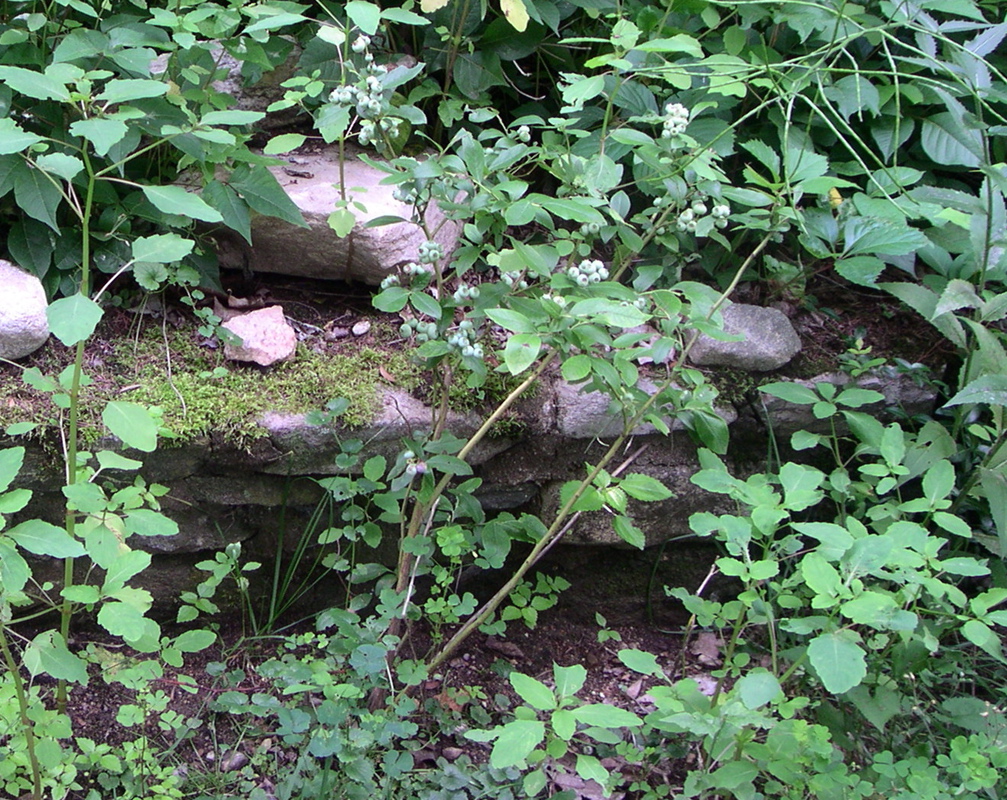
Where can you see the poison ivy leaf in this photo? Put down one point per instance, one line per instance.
(45, 539)
(37, 194)
(232, 208)
(73, 319)
(34, 84)
(533, 692)
(606, 716)
(48, 654)
(176, 200)
(521, 351)
(132, 424)
(264, 194)
(62, 165)
(162, 248)
(13, 139)
(516, 741)
(838, 660)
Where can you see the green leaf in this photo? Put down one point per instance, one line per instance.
(162, 248)
(366, 16)
(122, 619)
(606, 716)
(146, 522)
(13, 139)
(33, 84)
(391, 300)
(800, 486)
(570, 208)
(14, 570)
(861, 270)
(510, 320)
(521, 351)
(879, 611)
(645, 488)
(231, 116)
(103, 134)
(48, 654)
(564, 725)
(609, 312)
(124, 566)
(870, 236)
(425, 304)
(628, 532)
(61, 165)
(37, 195)
(591, 769)
(31, 244)
(569, 680)
(404, 17)
(516, 741)
(45, 539)
(532, 691)
(176, 200)
(757, 688)
(791, 392)
(11, 460)
(576, 368)
(679, 43)
(838, 660)
(120, 90)
(988, 389)
(516, 14)
(983, 636)
(264, 194)
(194, 641)
(641, 661)
(132, 424)
(948, 141)
(232, 208)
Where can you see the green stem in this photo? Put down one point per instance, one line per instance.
(27, 724)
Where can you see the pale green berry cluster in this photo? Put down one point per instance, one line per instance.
(676, 120)
(463, 339)
(558, 299)
(587, 272)
(514, 280)
(430, 252)
(689, 218)
(589, 229)
(523, 134)
(389, 282)
(465, 293)
(424, 331)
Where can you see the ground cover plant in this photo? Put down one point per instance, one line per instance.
(619, 170)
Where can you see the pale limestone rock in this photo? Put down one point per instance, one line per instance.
(266, 337)
(23, 324)
(769, 342)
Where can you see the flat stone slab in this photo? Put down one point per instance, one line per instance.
(313, 181)
(769, 342)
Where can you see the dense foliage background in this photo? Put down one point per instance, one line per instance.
(614, 165)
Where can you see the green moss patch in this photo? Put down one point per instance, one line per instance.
(198, 392)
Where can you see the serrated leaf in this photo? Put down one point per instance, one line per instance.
(45, 539)
(122, 619)
(11, 460)
(14, 570)
(132, 424)
(947, 141)
(264, 194)
(628, 532)
(103, 134)
(48, 654)
(838, 660)
(989, 389)
(176, 200)
(73, 319)
(13, 139)
(33, 84)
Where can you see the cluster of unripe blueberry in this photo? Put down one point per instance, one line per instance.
(689, 218)
(676, 120)
(463, 339)
(589, 271)
(368, 98)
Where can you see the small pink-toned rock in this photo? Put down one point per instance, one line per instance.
(266, 337)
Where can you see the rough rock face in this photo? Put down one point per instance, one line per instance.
(368, 255)
(265, 337)
(23, 325)
(769, 342)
